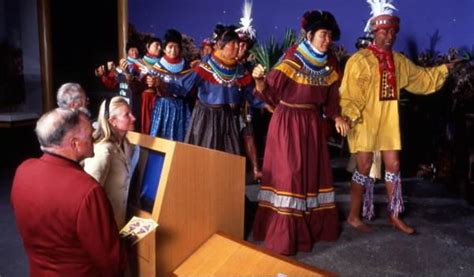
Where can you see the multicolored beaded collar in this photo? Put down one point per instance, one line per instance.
(132, 60)
(171, 67)
(224, 71)
(314, 63)
(134, 65)
(150, 59)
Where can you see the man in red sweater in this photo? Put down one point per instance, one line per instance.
(62, 213)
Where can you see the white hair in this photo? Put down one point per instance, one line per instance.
(69, 94)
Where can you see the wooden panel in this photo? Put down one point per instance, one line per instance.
(146, 251)
(122, 23)
(45, 43)
(223, 255)
(201, 191)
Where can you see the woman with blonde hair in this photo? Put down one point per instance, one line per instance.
(112, 163)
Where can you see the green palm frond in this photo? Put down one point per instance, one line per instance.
(289, 39)
(268, 54)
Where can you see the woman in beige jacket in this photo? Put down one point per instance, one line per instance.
(112, 163)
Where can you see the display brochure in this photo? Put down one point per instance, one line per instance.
(138, 228)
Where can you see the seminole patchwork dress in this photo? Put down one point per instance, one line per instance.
(171, 113)
(296, 199)
(148, 96)
(222, 86)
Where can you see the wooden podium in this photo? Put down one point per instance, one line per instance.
(223, 255)
(199, 191)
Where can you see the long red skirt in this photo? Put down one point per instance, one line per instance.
(148, 102)
(296, 199)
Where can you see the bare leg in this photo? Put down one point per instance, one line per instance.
(251, 151)
(392, 171)
(364, 162)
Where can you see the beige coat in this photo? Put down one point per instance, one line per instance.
(111, 166)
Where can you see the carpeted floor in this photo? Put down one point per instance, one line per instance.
(443, 245)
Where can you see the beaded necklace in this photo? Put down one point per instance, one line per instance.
(134, 67)
(132, 60)
(150, 60)
(314, 63)
(223, 74)
(171, 67)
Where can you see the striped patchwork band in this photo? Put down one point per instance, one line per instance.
(296, 202)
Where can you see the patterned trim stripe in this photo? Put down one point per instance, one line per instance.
(297, 202)
(290, 212)
(263, 187)
(297, 74)
(161, 70)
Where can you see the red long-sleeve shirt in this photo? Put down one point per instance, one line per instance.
(65, 220)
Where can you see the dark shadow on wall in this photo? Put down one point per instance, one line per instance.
(12, 82)
(84, 36)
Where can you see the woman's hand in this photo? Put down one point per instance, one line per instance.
(100, 71)
(123, 64)
(342, 126)
(151, 81)
(258, 72)
(269, 108)
(258, 75)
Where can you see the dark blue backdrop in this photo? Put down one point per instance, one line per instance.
(454, 20)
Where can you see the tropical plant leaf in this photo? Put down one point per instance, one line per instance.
(268, 54)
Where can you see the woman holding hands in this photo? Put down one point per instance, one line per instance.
(296, 198)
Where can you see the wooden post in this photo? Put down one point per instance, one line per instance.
(122, 11)
(46, 63)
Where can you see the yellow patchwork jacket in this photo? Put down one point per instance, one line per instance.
(377, 125)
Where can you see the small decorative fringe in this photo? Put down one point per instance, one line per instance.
(368, 207)
(368, 183)
(395, 206)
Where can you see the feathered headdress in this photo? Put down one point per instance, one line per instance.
(379, 8)
(246, 21)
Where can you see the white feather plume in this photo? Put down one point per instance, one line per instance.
(379, 7)
(246, 20)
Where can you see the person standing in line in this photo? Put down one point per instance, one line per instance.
(247, 36)
(71, 96)
(296, 205)
(63, 215)
(222, 85)
(171, 113)
(370, 91)
(148, 95)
